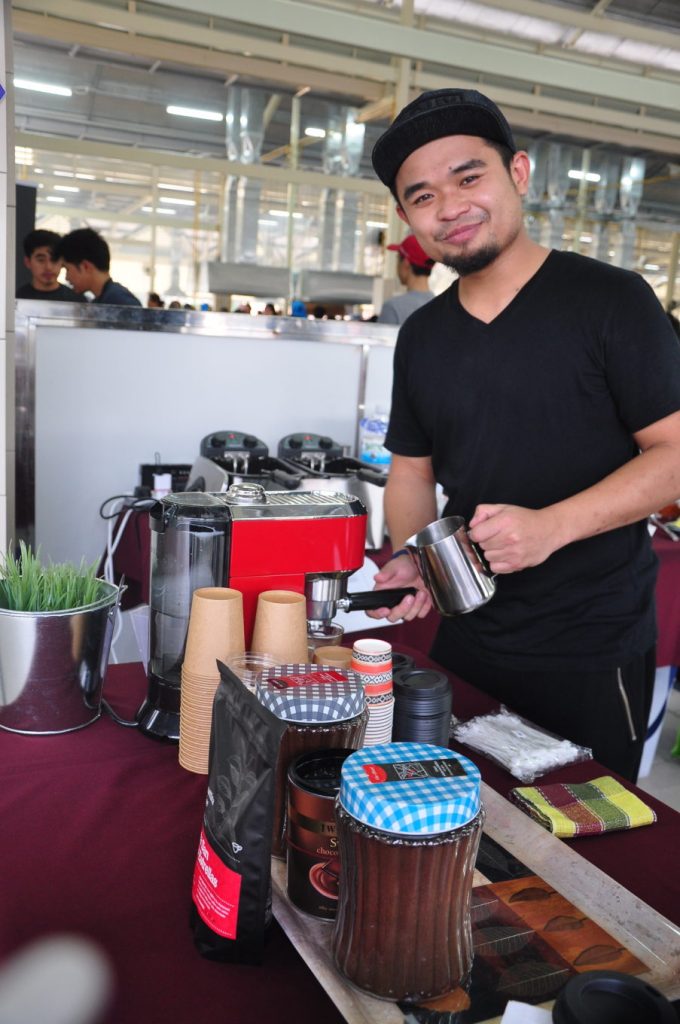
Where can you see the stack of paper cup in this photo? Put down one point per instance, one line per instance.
(281, 626)
(215, 632)
(372, 659)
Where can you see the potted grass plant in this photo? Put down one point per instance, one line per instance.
(28, 586)
(56, 624)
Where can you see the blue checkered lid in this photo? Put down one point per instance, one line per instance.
(311, 693)
(412, 789)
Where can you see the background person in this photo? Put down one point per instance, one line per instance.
(413, 270)
(542, 390)
(39, 258)
(87, 259)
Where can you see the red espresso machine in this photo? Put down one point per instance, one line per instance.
(251, 540)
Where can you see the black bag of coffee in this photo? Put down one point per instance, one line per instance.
(232, 879)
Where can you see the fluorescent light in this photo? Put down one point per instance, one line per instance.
(150, 209)
(175, 188)
(267, 223)
(579, 175)
(283, 213)
(23, 155)
(176, 202)
(375, 224)
(202, 115)
(86, 177)
(66, 188)
(55, 199)
(652, 266)
(63, 174)
(585, 238)
(316, 133)
(124, 181)
(55, 90)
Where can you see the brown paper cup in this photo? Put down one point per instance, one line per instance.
(281, 626)
(215, 629)
(338, 657)
(195, 718)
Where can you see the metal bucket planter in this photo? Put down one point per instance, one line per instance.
(52, 665)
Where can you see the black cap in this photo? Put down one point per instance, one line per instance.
(432, 116)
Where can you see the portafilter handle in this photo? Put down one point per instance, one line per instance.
(326, 595)
(369, 600)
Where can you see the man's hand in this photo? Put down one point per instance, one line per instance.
(514, 538)
(401, 572)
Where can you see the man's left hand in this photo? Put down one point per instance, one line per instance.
(514, 538)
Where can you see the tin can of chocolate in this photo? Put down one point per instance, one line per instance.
(313, 864)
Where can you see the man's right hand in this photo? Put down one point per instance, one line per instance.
(401, 572)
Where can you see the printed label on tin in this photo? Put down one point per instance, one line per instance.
(306, 679)
(406, 771)
(216, 890)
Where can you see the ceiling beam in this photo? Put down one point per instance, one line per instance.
(433, 46)
(193, 44)
(276, 175)
(590, 21)
(523, 109)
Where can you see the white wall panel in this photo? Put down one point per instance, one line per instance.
(108, 400)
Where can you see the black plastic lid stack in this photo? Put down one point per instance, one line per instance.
(400, 662)
(422, 706)
(609, 997)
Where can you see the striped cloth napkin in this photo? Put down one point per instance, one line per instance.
(583, 808)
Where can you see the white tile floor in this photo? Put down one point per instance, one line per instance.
(663, 781)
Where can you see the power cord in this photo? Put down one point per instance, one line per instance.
(120, 721)
(113, 539)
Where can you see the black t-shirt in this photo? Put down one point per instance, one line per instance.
(59, 294)
(529, 410)
(114, 294)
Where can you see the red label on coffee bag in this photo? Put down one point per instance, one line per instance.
(216, 890)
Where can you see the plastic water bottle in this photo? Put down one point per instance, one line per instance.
(372, 431)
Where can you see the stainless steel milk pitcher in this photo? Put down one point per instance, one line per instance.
(452, 568)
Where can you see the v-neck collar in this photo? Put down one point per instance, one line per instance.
(517, 300)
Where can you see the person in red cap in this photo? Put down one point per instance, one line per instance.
(413, 270)
(541, 391)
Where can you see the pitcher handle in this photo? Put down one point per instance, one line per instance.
(486, 568)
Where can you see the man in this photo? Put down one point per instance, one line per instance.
(542, 390)
(413, 270)
(87, 259)
(39, 258)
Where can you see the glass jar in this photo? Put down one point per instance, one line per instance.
(421, 868)
(324, 708)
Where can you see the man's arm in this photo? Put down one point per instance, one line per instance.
(410, 505)
(514, 538)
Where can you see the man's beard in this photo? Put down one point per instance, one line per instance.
(471, 263)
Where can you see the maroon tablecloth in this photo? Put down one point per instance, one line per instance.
(99, 835)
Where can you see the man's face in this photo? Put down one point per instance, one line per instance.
(461, 203)
(77, 275)
(44, 269)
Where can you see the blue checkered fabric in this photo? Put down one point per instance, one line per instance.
(336, 696)
(421, 802)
